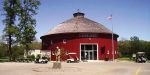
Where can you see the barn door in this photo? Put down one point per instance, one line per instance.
(88, 51)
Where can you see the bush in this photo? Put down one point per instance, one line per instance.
(4, 60)
(6, 57)
(32, 57)
(147, 55)
(38, 56)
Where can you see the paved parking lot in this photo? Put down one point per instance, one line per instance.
(82, 68)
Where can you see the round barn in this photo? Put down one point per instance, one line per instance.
(81, 36)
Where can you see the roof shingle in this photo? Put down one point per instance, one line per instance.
(79, 24)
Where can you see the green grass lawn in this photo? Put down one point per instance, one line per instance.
(125, 59)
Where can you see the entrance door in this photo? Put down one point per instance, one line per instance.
(88, 51)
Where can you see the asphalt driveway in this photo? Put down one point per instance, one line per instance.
(82, 68)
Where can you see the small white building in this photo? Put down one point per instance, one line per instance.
(42, 53)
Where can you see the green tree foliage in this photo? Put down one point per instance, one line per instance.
(10, 12)
(27, 23)
(124, 47)
(134, 45)
(19, 22)
(36, 45)
(17, 51)
(145, 46)
(3, 49)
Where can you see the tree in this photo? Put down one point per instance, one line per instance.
(36, 45)
(21, 12)
(135, 44)
(10, 11)
(3, 49)
(17, 51)
(124, 47)
(27, 23)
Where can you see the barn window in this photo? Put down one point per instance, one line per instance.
(51, 42)
(88, 35)
(67, 52)
(115, 52)
(108, 52)
(64, 41)
(53, 53)
(44, 43)
(103, 50)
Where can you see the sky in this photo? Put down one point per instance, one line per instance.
(129, 17)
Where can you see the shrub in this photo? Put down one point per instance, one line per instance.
(32, 57)
(4, 60)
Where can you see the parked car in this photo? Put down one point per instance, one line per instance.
(140, 57)
(72, 58)
(41, 60)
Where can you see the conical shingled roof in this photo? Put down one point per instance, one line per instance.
(79, 24)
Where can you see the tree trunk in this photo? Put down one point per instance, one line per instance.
(11, 22)
(9, 47)
(26, 50)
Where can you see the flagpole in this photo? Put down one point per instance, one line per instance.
(110, 18)
(112, 41)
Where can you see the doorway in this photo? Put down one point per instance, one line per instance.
(88, 51)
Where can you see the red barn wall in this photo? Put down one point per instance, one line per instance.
(73, 44)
